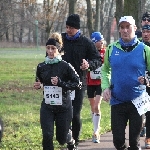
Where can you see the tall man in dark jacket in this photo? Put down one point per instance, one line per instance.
(81, 53)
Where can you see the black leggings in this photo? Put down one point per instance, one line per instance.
(76, 121)
(48, 119)
(147, 117)
(147, 124)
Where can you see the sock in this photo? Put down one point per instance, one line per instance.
(96, 122)
(92, 115)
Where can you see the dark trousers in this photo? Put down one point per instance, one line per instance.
(77, 106)
(147, 114)
(120, 115)
(48, 119)
(147, 124)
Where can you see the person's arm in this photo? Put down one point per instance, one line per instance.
(93, 56)
(106, 71)
(37, 83)
(73, 80)
(147, 49)
(105, 79)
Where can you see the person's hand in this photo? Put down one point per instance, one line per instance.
(84, 65)
(141, 79)
(54, 80)
(106, 94)
(37, 85)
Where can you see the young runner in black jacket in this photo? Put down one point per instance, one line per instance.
(58, 78)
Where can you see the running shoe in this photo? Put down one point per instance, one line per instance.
(143, 132)
(147, 143)
(96, 138)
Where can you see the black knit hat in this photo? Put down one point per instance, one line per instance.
(146, 15)
(73, 21)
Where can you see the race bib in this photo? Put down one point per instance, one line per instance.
(142, 103)
(96, 74)
(53, 95)
(72, 94)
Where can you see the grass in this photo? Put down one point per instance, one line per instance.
(20, 103)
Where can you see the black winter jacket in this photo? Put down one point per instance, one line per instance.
(81, 48)
(68, 79)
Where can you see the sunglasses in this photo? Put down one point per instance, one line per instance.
(148, 19)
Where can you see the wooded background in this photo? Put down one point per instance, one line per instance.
(28, 22)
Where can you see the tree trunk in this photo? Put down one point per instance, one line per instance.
(130, 9)
(102, 15)
(119, 9)
(141, 10)
(109, 23)
(72, 6)
(97, 17)
(89, 17)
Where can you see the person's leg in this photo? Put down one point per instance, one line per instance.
(147, 140)
(119, 120)
(1, 129)
(91, 97)
(47, 126)
(63, 122)
(143, 131)
(96, 120)
(97, 112)
(94, 103)
(135, 126)
(76, 121)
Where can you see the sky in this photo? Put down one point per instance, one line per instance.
(40, 1)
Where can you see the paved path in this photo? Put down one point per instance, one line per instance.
(106, 142)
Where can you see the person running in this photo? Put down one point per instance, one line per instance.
(57, 77)
(145, 21)
(94, 88)
(81, 53)
(124, 62)
(146, 128)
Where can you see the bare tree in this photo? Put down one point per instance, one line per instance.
(97, 16)
(110, 14)
(72, 6)
(89, 16)
(141, 10)
(17, 18)
(119, 9)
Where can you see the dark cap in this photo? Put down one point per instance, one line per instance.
(146, 15)
(146, 27)
(73, 21)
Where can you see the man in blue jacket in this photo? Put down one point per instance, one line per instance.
(124, 63)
